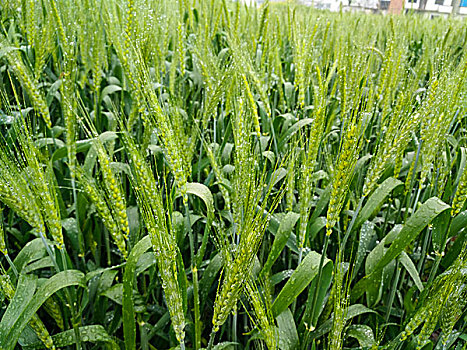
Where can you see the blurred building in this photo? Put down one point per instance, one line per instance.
(431, 8)
(437, 7)
(352, 5)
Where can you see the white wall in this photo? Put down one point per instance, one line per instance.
(445, 8)
(371, 4)
(248, 2)
(431, 6)
(411, 5)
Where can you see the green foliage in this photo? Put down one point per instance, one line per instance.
(205, 174)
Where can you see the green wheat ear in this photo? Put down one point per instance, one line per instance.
(22, 181)
(261, 316)
(99, 198)
(309, 157)
(29, 84)
(153, 212)
(249, 232)
(444, 303)
(3, 248)
(460, 195)
(343, 174)
(42, 183)
(107, 195)
(16, 193)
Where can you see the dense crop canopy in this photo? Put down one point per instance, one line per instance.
(204, 174)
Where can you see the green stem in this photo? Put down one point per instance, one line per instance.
(320, 272)
(439, 255)
(190, 233)
(143, 334)
(300, 254)
(197, 344)
(71, 296)
(409, 197)
(234, 327)
(421, 262)
(401, 286)
(107, 247)
(78, 228)
(393, 291)
(386, 217)
(211, 340)
(13, 267)
(204, 242)
(49, 252)
(417, 197)
(194, 271)
(352, 223)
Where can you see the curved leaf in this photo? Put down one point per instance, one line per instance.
(458, 223)
(93, 334)
(23, 295)
(60, 280)
(322, 203)
(411, 269)
(39, 264)
(110, 89)
(300, 279)
(315, 227)
(209, 275)
(277, 176)
(414, 225)
(367, 233)
(203, 192)
(376, 200)
(363, 334)
(81, 146)
(288, 336)
(282, 235)
(32, 251)
(352, 311)
(292, 130)
(274, 223)
(380, 278)
(46, 141)
(440, 231)
(321, 298)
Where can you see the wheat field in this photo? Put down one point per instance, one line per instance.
(188, 174)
